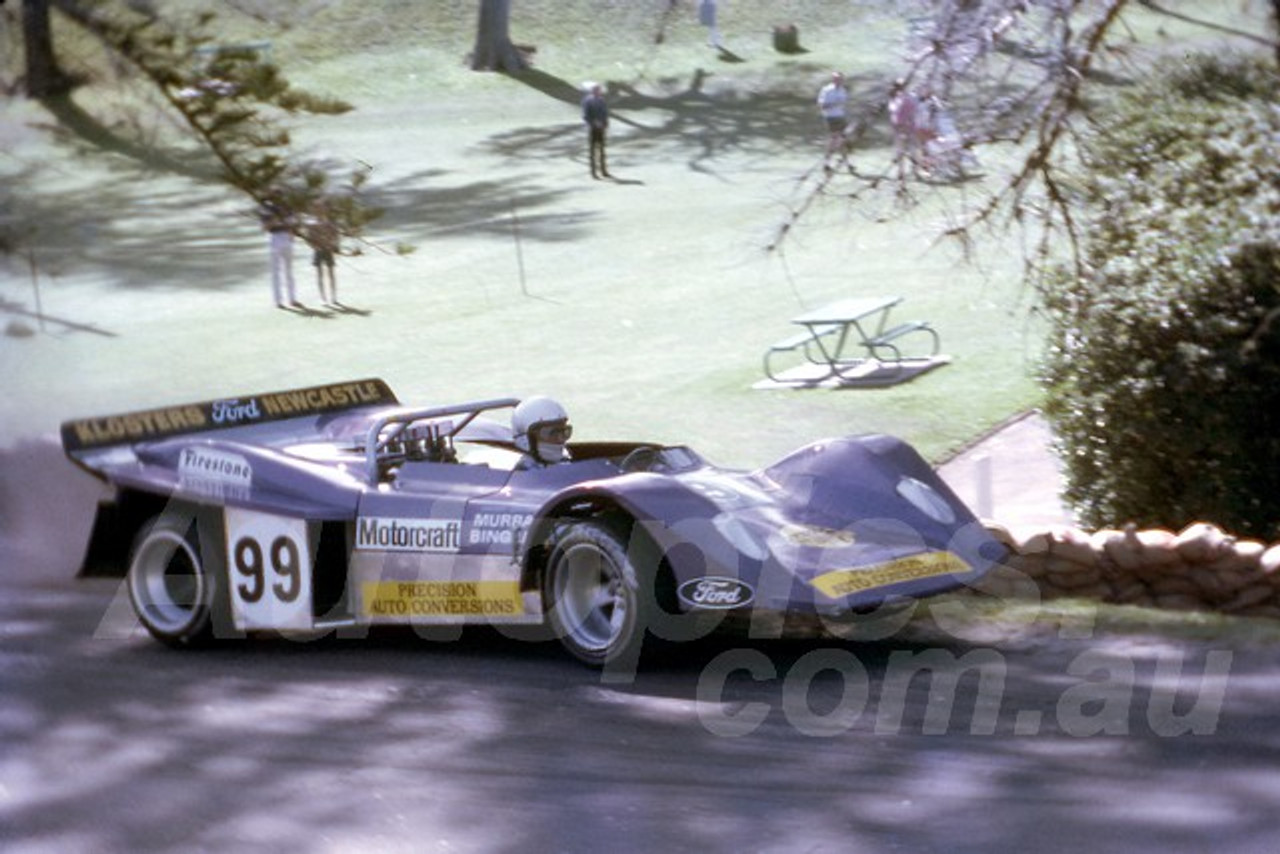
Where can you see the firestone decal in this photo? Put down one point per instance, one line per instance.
(716, 593)
(214, 474)
(213, 466)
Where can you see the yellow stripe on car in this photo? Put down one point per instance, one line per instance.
(844, 582)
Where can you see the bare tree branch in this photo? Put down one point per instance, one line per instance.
(1002, 74)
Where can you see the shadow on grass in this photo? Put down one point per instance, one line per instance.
(481, 209)
(136, 218)
(182, 235)
(44, 321)
(549, 85)
(142, 232)
(76, 124)
(694, 118)
(725, 55)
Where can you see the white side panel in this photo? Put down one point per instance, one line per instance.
(268, 570)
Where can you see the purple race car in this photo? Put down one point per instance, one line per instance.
(335, 507)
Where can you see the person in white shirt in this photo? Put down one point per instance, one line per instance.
(279, 223)
(832, 102)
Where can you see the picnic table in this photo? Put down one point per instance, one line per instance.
(851, 341)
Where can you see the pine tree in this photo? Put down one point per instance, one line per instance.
(234, 100)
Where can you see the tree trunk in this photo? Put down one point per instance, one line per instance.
(44, 78)
(1275, 27)
(494, 50)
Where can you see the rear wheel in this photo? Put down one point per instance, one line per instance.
(595, 600)
(172, 591)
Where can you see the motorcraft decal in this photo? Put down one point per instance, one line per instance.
(844, 582)
(380, 533)
(716, 593)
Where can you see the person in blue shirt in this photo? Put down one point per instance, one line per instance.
(595, 112)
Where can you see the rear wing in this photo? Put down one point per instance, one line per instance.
(91, 434)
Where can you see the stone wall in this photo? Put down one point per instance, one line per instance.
(1200, 568)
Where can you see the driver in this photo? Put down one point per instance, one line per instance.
(541, 428)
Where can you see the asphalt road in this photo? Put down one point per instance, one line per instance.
(110, 742)
(974, 740)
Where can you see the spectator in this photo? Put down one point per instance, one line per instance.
(279, 223)
(832, 101)
(707, 17)
(323, 238)
(595, 112)
(912, 127)
(947, 149)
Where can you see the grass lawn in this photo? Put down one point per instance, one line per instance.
(645, 304)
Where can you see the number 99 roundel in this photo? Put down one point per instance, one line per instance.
(269, 589)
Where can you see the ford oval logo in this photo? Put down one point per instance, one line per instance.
(716, 593)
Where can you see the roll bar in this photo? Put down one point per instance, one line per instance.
(396, 422)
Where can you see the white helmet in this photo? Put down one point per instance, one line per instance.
(541, 428)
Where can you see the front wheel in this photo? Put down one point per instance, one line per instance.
(171, 589)
(595, 603)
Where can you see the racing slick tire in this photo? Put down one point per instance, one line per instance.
(174, 590)
(596, 604)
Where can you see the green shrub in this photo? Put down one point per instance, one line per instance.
(1164, 369)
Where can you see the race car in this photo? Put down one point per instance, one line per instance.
(337, 508)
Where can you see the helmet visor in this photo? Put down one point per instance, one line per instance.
(552, 432)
